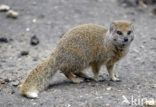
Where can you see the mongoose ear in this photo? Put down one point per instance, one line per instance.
(112, 27)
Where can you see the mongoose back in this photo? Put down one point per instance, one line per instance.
(82, 46)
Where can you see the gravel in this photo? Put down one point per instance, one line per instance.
(49, 20)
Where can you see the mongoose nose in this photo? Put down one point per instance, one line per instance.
(125, 39)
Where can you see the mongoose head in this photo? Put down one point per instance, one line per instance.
(121, 33)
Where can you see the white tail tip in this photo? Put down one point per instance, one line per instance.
(32, 94)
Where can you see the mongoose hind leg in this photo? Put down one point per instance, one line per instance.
(70, 76)
(95, 70)
(112, 74)
(82, 75)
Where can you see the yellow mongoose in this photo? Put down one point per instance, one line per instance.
(82, 46)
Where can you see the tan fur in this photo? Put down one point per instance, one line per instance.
(82, 46)
(123, 26)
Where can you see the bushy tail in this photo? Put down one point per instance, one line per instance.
(39, 78)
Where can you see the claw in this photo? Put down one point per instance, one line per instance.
(115, 79)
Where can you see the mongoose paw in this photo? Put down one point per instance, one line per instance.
(76, 81)
(96, 78)
(116, 75)
(32, 94)
(115, 79)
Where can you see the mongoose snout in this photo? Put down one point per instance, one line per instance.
(125, 39)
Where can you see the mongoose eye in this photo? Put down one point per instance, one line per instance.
(119, 32)
(129, 32)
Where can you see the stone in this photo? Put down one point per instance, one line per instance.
(15, 83)
(4, 7)
(109, 88)
(6, 80)
(3, 40)
(12, 14)
(24, 53)
(34, 40)
(1, 81)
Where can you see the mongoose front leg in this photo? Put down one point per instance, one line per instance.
(70, 76)
(81, 74)
(95, 70)
(116, 75)
(112, 74)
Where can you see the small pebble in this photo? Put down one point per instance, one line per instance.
(35, 59)
(41, 16)
(15, 83)
(27, 29)
(87, 79)
(107, 105)
(108, 89)
(1, 81)
(3, 40)
(154, 86)
(34, 40)
(34, 20)
(12, 92)
(24, 53)
(34, 103)
(4, 7)
(7, 80)
(12, 14)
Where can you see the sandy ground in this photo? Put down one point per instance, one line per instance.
(48, 20)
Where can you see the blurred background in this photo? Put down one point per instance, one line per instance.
(31, 29)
